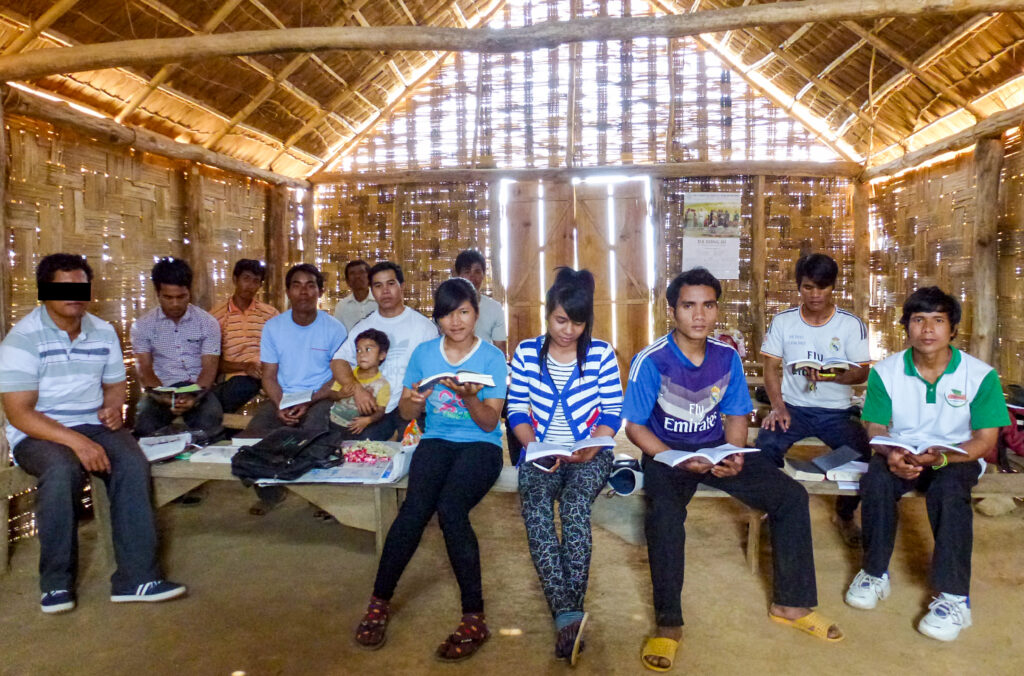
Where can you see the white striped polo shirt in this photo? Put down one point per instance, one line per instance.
(68, 375)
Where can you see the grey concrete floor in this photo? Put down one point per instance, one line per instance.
(281, 594)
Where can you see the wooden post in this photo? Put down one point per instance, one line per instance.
(861, 250)
(5, 280)
(758, 268)
(277, 245)
(309, 227)
(197, 251)
(494, 230)
(988, 162)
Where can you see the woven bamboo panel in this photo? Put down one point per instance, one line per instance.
(638, 101)
(923, 226)
(923, 234)
(803, 216)
(122, 210)
(420, 227)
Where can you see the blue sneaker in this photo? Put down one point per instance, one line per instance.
(57, 601)
(150, 592)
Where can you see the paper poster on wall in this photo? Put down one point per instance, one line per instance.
(711, 214)
(720, 255)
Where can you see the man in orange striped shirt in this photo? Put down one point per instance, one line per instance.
(241, 320)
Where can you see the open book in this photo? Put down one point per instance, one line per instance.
(167, 446)
(461, 377)
(917, 449)
(539, 449)
(832, 365)
(191, 388)
(295, 398)
(713, 455)
(817, 468)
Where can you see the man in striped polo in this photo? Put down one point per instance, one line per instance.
(241, 318)
(930, 393)
(62, 386)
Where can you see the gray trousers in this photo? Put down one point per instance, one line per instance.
(61, 480)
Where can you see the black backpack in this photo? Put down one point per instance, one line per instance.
(287, 454)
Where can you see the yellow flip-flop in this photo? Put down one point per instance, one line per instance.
(657, 646)
(813, 623)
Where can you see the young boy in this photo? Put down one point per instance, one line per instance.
(371, 351)
(943, 395)
(687, 392)
(812, 403)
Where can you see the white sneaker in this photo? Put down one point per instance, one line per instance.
(867, 590)
(947, 615)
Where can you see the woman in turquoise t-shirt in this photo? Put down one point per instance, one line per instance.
(456, 463)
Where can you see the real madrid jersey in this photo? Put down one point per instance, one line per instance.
(966, 397)
(790, 338)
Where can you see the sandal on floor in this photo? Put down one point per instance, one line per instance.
(812, 623)
(849, 531)
(471, 634)
(569, 643)
(659, 646)
(370, 634)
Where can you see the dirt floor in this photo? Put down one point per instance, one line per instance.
(281, 595)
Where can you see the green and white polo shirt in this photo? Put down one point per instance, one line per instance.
(68, 375)
(966, 397)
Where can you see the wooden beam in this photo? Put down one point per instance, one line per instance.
(111, 132)
(275, 83)
(898, 81)
(277, 233)
(758, 268)
(733, 61)
(56, 11)
(850, 51)
(661, 170)
(164, 74)
(199, 237)
(861, 249)
(933, 81)
(992, 126)
(544, 35)
(988, 162)
(827, 87)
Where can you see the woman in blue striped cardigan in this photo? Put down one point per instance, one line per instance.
(565, 387)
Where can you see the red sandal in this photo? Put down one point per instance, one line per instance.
(471, 634)
(370, 634)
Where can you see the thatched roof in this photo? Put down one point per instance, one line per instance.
(876, 85)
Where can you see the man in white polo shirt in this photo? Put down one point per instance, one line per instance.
(405, 329)
(809, 403)
(62, 386)
(490, 325)
(359, 302)
(927, 394)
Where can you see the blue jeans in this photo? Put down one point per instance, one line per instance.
(61, 480)
(236, 392)
(834, 426)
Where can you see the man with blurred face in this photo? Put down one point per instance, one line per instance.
(175, 345)
(62, 387)
(359, 302)
(241, 320)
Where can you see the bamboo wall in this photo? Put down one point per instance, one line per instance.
(122, 210)
(923, 234)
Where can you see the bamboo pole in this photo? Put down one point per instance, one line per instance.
(56, 11)
(995, 124)
(309, 226)
(5, 264)
(545, 35)
(113, 133)
(758, 267)
(861, 249)
(198, 234)
(276, 233)
(988, 162)
(662, 170)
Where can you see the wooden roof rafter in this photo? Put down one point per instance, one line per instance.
(904, 77)
(279, 78)
(434, 64)
(55, 38)
(45, 20)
